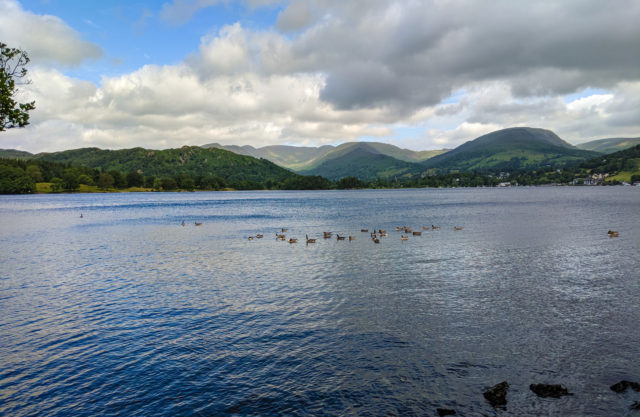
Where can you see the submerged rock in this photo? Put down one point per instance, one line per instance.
(497, 395)
(635, 406)
(549, 390)
(446, 412)
(623, 385)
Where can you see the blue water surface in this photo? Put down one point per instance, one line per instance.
(123, 311)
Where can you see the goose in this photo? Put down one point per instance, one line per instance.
(399, 229)
(407, 230)
(81, 216)
(259, 236)
(182, 223)
(310, 240)
(250, 237)
(197, 224)
(457, 228)
(293, 240)
(339, 237)
(613, 233)
(424, 228)
(376, 240)
(326, 235)
(364, 230)
(383, 233)
(417, 233)
(403, 237)
(435, 227)
(281, 237)
(352, 238)
(283, 230)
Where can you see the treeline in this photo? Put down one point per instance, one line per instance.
(20, 176)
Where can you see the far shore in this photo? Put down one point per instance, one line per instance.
(45, 188)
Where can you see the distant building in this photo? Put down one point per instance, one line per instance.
(593, 179)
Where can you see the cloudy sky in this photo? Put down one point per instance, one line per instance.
(426, 74)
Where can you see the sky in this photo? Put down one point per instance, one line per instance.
(427, 74)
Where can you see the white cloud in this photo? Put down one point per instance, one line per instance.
(47, 39)
(335, 71)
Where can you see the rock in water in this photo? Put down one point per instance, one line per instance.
(635, 406)
(497, 395)
(623, 385)
(445, 412)
(549, 390)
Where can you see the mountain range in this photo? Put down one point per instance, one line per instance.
(503, 150)
(609, 145)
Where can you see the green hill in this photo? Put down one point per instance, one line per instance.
(621, 166)
(609, 145)
(14, 154)
(510, 149)
(363, 161)
(190, 160)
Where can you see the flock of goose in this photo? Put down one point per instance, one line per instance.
(375, 234)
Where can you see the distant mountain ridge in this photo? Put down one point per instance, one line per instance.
(609, 145)
(517, 148)
(509, 149)
(301, 158)
(361, 160)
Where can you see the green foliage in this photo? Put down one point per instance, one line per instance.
(625, 160)
(14, 180)
(105, 181)
(168, 184)
(134, 179)
(190, 160)
(13, 71)
(34, 172)
(57, 184)
(70, 180)
(311, 182)
(350, 182)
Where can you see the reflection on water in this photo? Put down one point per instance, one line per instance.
(124, 311)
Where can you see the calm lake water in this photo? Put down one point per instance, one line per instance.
(125, 312)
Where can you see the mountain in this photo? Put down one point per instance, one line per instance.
(509, 149)
(14, 154)
(191, 160)
(300, 158)
(291, 157)
(361, 160)
(609, 145)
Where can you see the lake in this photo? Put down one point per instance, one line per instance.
(123, 311)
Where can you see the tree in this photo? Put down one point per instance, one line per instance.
(134, 179)
(105, 181)
(13, 72)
